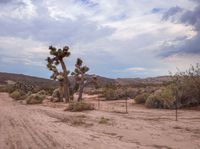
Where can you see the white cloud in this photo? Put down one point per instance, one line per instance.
(135, 69)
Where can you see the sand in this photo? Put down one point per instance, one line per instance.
(48, 126)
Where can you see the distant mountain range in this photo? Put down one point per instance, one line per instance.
(102, 81)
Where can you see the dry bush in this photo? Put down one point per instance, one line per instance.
(182, 91)
(141, 98)
(80, 106)
(42, 92)
(34, 99)
(186, 86)
(7, 88)
(162, 98)
(16, 95)
(93, 91)
(104, 120)
(119, 93)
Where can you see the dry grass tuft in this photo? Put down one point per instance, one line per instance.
(80, 106)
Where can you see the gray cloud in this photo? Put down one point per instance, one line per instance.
(192, 18)
(48, 29)
(5, 1)
(171, 12)
(187, 17)
(54, 31)
(12, 3)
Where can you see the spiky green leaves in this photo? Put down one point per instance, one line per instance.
(66, 52)
(79, 62)
(55, 60)
(84, 69)
(79, 68)
(79, 71)
(59, 53)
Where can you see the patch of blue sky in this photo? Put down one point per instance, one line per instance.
(156, 10)
(87, 2)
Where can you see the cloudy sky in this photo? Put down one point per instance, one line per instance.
(115, 38)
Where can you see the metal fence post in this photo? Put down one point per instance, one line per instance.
(126, 104)
(98, 103)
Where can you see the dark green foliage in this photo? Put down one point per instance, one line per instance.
(56, 59)
(141, 98)
(80, 106)
(26, 86)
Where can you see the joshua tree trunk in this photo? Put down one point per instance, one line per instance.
(61, 91)
(66, 82)
(82, 85)
(80, 93)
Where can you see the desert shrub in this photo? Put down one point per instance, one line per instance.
(93, 91)
(7, 88)
(141, 98)
(131, 92)
(80, 106)
(55, 97)
(110, 94)
(26, 86)
(15, 95)
(34, 99)
(42, 92)
(104, 120)
(49, 90)
(162, 98)
(186, 86)
(118, 93)
(2, 88)
(18, 95)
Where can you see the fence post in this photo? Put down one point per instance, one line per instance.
(126, 104)
(176, 110)
(98, 103)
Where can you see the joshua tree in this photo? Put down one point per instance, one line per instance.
(79, 75)
(57, 57)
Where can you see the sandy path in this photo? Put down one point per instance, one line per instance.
(43, 127)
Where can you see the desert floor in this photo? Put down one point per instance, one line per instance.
(48, 126)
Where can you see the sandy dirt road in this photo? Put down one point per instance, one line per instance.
(44, 127)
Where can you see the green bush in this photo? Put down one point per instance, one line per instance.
(80, 106)
(162, 98)
(141, 98)
(34, 99)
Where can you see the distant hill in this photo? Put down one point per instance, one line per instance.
(102, 81)
(144, 81)
(6, 78)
